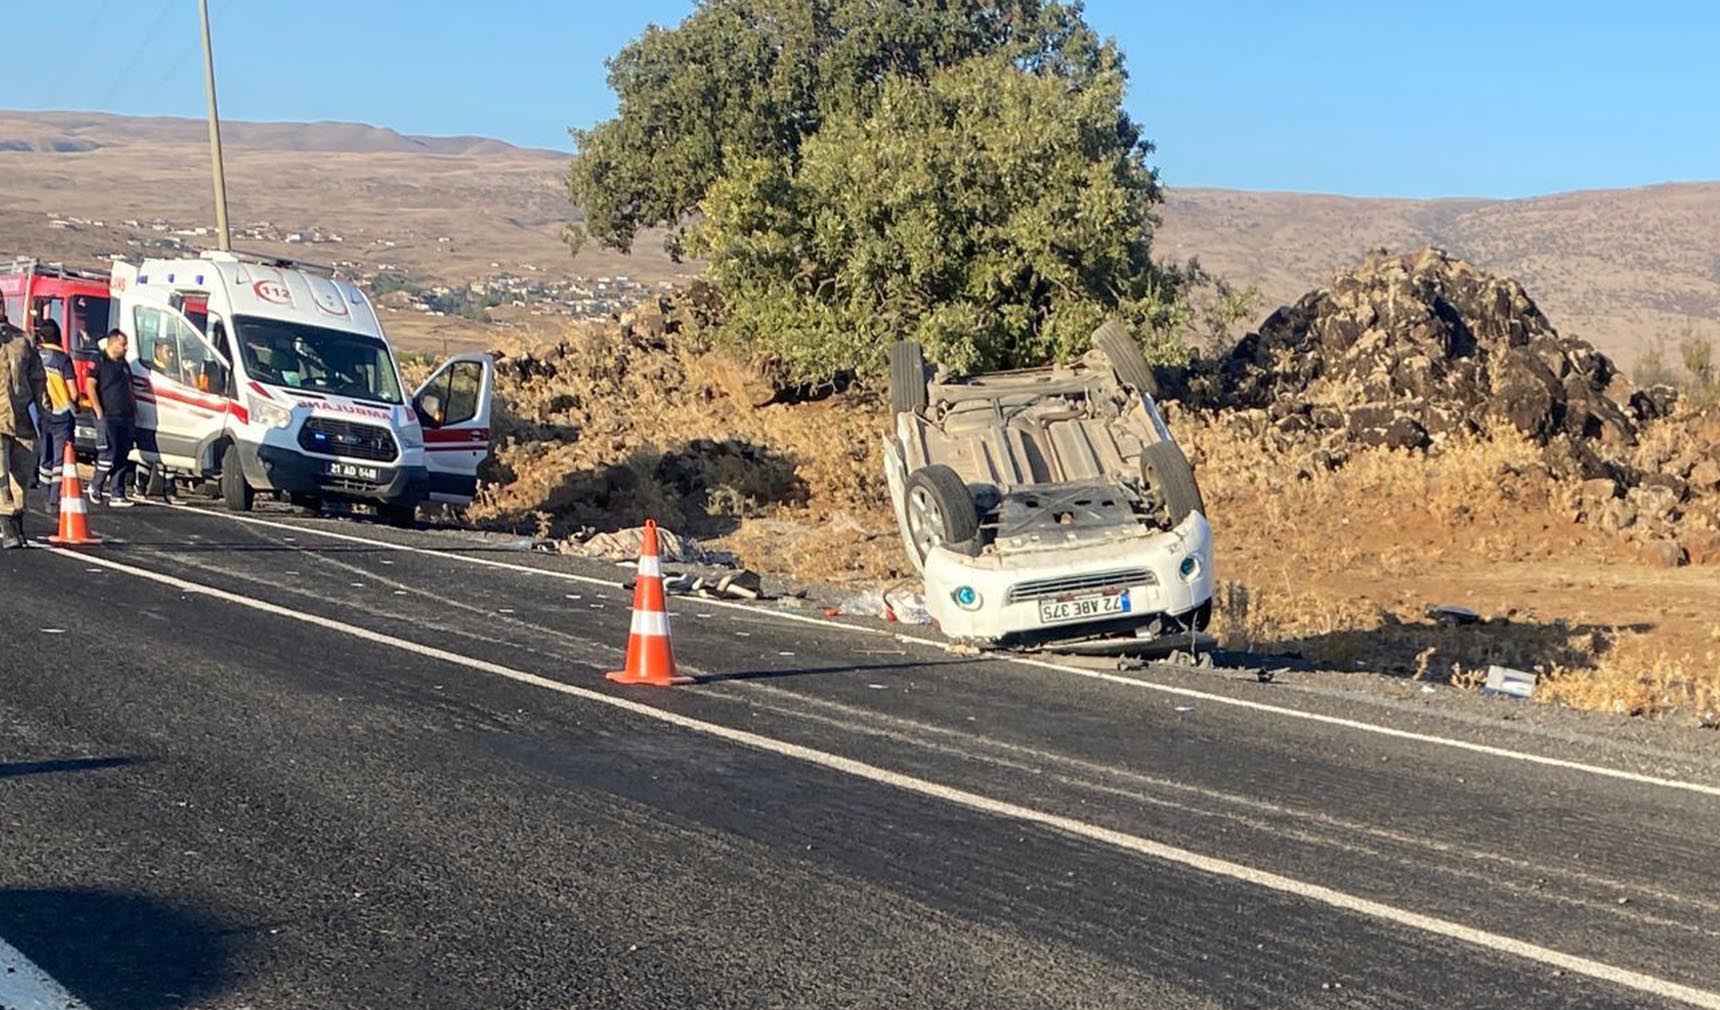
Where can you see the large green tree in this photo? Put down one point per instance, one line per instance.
(743, 79)
(993, 215)
(858, 171)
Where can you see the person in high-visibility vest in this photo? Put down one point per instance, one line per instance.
(58, 409)
(22, 386)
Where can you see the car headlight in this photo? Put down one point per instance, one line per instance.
(268, 413)
(967, 598)
(412, 435)
(1190, 568)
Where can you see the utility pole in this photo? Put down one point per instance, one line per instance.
(223, 235)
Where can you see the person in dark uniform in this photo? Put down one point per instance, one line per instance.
(115, 406)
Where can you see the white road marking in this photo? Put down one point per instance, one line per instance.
(23, 986)
(1356, 725)
(1485, 939)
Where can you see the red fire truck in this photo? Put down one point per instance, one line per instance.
(78, 301)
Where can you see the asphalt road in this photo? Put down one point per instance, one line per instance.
(295, 763)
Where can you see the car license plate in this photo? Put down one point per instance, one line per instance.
(1083, 608)
(352, 471)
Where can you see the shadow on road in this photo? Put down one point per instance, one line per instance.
(14, 769)
(811, 671)
(117, 951)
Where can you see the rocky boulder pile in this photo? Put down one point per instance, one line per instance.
(1409, 349)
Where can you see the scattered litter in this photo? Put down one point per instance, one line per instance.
(292, 573)
(743, 634)
(1506, 681)
(386, 561)
(93, 571)
(704, 617)
(400, 592)
(1427, 689)
(504, 610)
(291, 540)
(574, 596)
(785, 653)
(595, 606)
(961, 649)
(1452, 615)
(1184, 708)
(625, 545)
(357, 585)
(1266, 676)
(878, 687)
(53, 631)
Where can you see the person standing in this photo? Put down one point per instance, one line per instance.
(22, 386)
(57, 409)
(115, 406)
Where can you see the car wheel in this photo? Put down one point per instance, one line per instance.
(907, 377)
(1119, 347)
(236, 492)
(401, 517)
(941, 512)
(1166, 470)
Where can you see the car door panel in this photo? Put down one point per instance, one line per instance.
(454, 407)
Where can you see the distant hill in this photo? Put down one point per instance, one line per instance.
(1622, 268)
(77, 132)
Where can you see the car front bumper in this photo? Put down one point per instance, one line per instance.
(273, 468)
(1005, 605)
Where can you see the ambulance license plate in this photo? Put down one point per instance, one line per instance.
(352, 471)
(1083, 608)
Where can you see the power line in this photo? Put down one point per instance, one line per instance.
(77, 54)
(138, 53)
(181, 61)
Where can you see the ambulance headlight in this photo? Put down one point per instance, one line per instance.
(1190, 568)
(967, 598)
(412, 435)
(268, 413)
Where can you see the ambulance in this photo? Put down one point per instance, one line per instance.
(285, 385)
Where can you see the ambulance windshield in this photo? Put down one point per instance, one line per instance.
(317, 360)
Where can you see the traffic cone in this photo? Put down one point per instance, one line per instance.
(650, 659)
(74, 508)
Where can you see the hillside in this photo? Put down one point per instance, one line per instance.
(1620, 267)
(450, 209)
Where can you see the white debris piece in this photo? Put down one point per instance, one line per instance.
(1504, 680)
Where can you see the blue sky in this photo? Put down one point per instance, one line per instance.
(1508, 98)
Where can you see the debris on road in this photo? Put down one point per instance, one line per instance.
(1509, 682)
(625, 545)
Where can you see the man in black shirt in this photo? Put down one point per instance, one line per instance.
(115, 405)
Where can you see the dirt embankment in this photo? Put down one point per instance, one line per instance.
(1415, 433)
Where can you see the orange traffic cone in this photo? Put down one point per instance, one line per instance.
(74, 509)
(650, 659)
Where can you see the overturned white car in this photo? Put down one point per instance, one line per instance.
(1048, 505)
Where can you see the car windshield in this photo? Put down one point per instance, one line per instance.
(317, 360)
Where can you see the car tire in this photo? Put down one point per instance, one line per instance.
(401, 517)
(236, 491)
(1118, 345)
(940, 512)
(907, 377)
(1167, 470)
